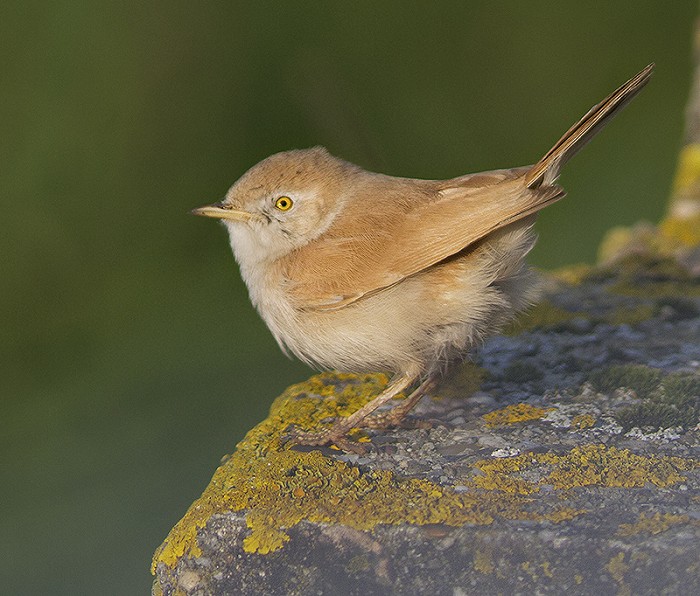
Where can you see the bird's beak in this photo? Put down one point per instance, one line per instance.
(221, 211)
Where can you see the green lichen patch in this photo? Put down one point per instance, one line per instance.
(462, 381)
(678, 308)
(678, 386)
(278, 487)
(544, 314)
(657, 290)
(676, 402)
(654, 415)
(649, 267)
(641, 284)
(666, 400)
(651, 276)
(642, 379)
(632, 315)
(522, 372)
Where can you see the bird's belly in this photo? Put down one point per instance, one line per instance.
(394, 330)
(424, 321)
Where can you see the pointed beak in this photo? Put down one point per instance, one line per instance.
(222, 211)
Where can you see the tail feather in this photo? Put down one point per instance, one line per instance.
(546, 171)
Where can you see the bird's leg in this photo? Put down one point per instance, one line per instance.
(394, 416)
(336, 433)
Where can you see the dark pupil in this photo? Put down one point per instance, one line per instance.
(284, 203)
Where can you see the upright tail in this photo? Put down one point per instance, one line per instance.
(546, 171)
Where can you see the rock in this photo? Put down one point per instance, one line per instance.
(575, 469)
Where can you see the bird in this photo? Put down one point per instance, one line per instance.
(359, 271)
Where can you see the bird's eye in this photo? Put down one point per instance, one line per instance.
(284, 203)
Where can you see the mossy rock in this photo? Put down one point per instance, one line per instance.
(565, 457)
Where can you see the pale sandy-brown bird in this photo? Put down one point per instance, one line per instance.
(358, 271)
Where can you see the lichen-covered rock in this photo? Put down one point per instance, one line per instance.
(565, 457)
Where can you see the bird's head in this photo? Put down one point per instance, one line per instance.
(282, 203)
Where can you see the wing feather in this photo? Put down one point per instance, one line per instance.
(392, 228)
(389, 232)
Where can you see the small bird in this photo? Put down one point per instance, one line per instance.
(359, 271)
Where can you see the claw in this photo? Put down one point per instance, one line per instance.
(350, 446)
(325, 437)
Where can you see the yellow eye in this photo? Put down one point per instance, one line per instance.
(284, 203)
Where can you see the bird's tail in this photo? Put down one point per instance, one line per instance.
(546, 171)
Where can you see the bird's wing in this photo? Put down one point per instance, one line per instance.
(401, 227)
(377, 243)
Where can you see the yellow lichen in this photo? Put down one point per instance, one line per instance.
(611, 467)
(306, 404)
(563, 514)
(547, 569)
(501, 474)
(588, 465)
(688, 171)
(683, 230)
(652, 524)
(618, 240)
(184, 540)
(617, 567)
(583, 421)
(265, 537)
(679, 230)
(528, 568)
(276, 487)
(514, 414)
(483, 561)
(572, 274)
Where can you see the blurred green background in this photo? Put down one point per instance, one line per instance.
(131, 359)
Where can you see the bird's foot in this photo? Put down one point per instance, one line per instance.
(337, 434)
(397, 415)
(386, 420)
(331, 436)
